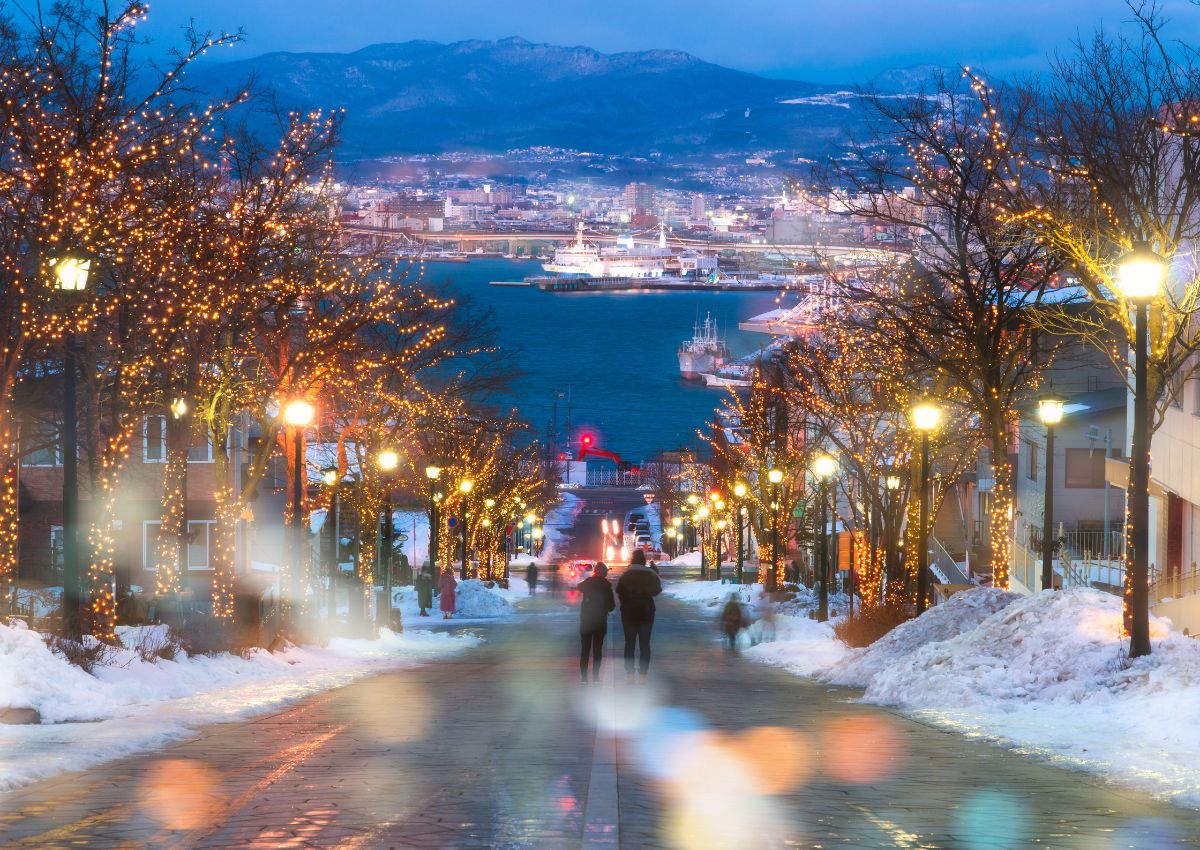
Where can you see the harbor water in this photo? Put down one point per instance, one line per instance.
(616, 351)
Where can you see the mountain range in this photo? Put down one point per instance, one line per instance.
(493, 96)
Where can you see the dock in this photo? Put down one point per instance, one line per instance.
(645, 284)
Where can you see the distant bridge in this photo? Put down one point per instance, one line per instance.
(466, 237)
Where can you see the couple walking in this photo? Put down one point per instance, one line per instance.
(636, 588)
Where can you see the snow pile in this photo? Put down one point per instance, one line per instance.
(137, 704)
(712, 594)
(687, 559)
(473, 599)
(1055, 647)
(960, 614)
(800, 645)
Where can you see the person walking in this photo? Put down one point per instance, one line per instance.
(424, 584)
(733, 620)
(446, 587)
(595, 603)
(637, 588)
(531, 575)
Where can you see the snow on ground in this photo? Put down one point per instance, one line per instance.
(1047, 674)
(131, 705)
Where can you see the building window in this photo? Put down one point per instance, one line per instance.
(43, 447)
(1196, 396)
(154, 439)
(199, 548)
(1085, 468)
(57, 559)
(201, 450)
(1031, 459)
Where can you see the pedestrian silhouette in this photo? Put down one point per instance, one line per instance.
(595, 603)
(531, 576)
(424, 584)
(637, 589)
(447, 586)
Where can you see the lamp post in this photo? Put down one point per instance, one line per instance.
(71, 274)
(1141, 277)
(432, 474)
(298, 414)
(926, 416)
(721, 524)
(702, 522)
(332, 477)
(775, 477)
(739, 493)
(488, 504)
(1050, 411)
(465, 487)
(891, 558)
(823, 468)
(388, 460)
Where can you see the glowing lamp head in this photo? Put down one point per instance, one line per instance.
(71, 272)
(703, 512)
(531, 518)
(739, 490)
(719, 504)
(388, 460)
(714, 496)
(677, 521)
(487, 523)
(586, 440)
(330, 476)
(892, 482)
(489, 503)
(299, 413)
(433, 472)
(926, 416)
(775, 476)
(824, 466)
(721, 525)
(1141, 273)
(1050, 410)
(466, 486)
(537, 534)
(693, 499)
(179, 408)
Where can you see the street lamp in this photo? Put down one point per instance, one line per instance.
(433, 472)
(891, 553)
(720, 545)
(298, 414)
(739, 494)
(71, 275)
(1050, 411)
(775, 477)
(1141, 277)
(926, 416)
(465, 487)
(824, 467)
(388, 461)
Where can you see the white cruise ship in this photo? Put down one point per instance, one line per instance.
(705, 353)
(626, 260)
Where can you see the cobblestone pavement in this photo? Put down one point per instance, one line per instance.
(497, 748)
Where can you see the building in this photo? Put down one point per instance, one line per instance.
(639, 200)
(698, 208)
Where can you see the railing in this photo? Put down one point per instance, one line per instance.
(613, 478)
(1184, 582)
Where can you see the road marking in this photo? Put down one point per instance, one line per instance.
(601, 825)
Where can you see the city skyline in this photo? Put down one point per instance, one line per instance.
(792, 40)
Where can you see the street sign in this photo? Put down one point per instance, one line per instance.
(452, 522)
(798, 511)
(402, 537)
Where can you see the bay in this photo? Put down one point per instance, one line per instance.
(616, 352)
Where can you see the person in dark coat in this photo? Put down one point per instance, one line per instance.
(637, 588)
(424, 584)
(595, 603)
(531, 575)
(733, 620)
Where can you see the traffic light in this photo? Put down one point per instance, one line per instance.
(586, 440)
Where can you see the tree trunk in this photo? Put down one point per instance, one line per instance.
(172, 532)
(1000, 519)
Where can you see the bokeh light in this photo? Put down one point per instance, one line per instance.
(862, 748)
(181, 794)
(991, 819)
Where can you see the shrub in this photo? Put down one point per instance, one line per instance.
(86, 654)
(204, 634)
(869, 626)
(152, 644)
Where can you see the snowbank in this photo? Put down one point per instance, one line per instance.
(474, 600)
(961, 613)
(687, 559)
(136, 705)
(712, 594)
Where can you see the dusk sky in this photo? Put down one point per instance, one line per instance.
(805, 39)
